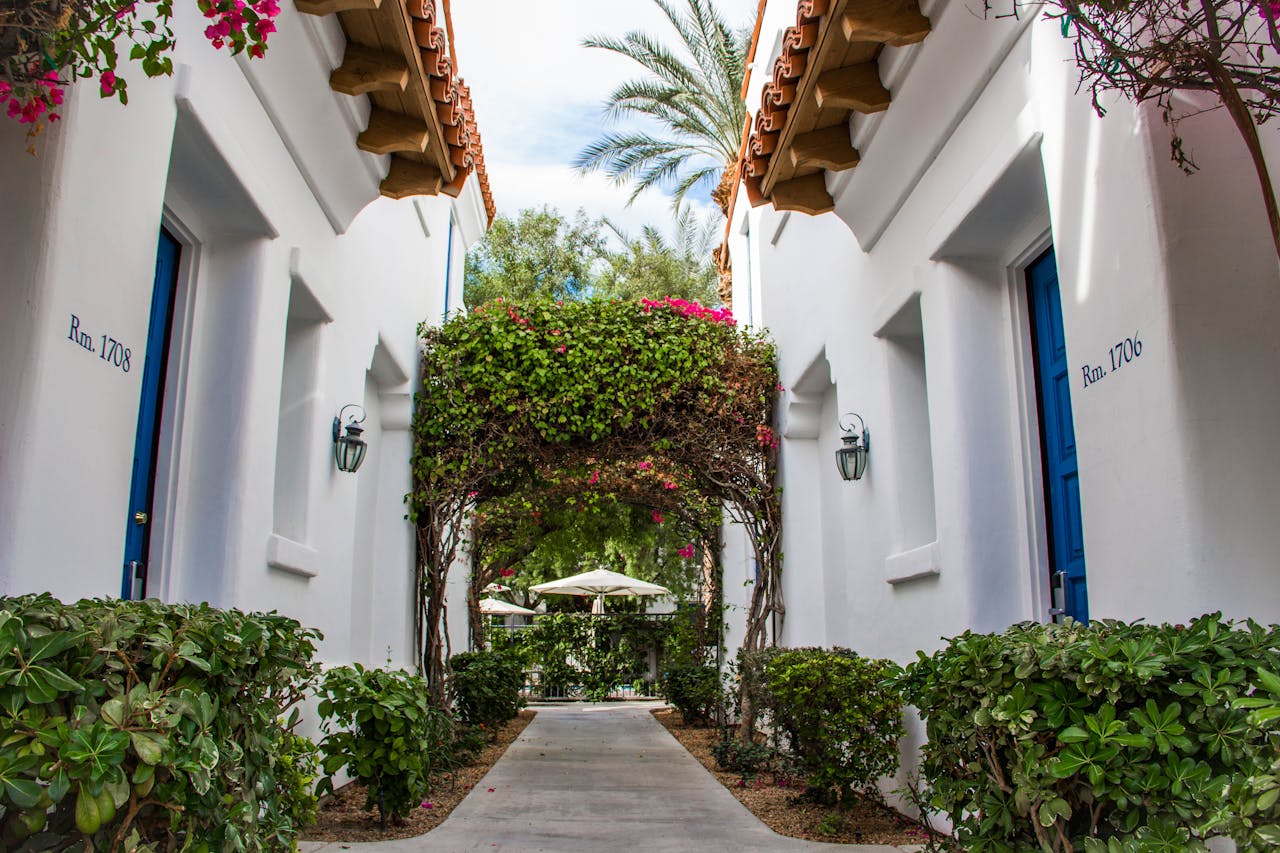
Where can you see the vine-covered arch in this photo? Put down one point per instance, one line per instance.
(630, 398)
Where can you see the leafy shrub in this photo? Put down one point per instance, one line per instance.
(296, 773)
(147, 726)
(741, 757)
(580, 650)
(485, 687)
(694, 691)
(1254, 802)
(841, 713)
(379, 724)
(1112, 737)
(748, 670)
(644, 687)
(468, 743)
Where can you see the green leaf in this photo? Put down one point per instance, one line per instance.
(149, 746)
(24, 793)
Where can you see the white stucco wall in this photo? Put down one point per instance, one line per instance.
(253, 166)
(986, 157)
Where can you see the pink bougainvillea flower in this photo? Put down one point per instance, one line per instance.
(670, 486)
(108, 83)
(657, 517)
(472, 494)
(644, 466)
(594, 478)
(427, 805)
(256, 51)
(686, 551)
(491, 790)
(32, 110)
(562, 349)
(125, 11)
(265, 27)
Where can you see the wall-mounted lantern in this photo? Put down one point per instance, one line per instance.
(349, 448)
(851, 459)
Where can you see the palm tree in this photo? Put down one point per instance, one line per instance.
(653, 266)
(692, 93)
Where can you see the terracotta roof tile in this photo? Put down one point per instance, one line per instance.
(791, 74)
(452, 97)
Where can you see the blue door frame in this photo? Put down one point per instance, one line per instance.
(146, 443)
(1057, 442)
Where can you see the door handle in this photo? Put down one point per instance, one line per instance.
(141, 518)
(137, 579)
(1058, 594)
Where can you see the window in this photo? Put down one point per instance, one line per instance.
(299, 422)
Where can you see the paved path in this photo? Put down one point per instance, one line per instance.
(597, 777)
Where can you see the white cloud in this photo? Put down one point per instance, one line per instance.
(538, 94)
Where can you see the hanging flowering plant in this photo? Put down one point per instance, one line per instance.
(47, 44)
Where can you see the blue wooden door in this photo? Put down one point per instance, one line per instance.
(146, 443)
(1058, 441)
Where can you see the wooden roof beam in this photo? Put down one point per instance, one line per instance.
(364, 70)
(389, 132)
(331, 7)
(807, 195)
(828, 148)
(892, 22)
(409, 178)
(854, 87)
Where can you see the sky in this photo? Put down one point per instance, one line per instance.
(538, 97)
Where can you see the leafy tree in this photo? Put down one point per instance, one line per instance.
(691, 94)
(539, 253)
(653, 267)
(618, 536)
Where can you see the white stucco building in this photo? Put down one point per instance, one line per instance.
(1064, 349)
(193, 287)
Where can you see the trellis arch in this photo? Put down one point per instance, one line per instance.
(547, 394)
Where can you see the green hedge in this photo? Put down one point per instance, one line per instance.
(1112, 737)
(841, 713)
(140, 725)
(381, 727)
(603, 648)
(694, 691)
(485, 687)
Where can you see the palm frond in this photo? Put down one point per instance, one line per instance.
(691, 91)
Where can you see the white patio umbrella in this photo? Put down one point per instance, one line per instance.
(497, 607)
(599, 582)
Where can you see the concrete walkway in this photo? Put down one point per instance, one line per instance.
(597, 777)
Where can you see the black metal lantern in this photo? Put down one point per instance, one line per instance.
(851, 458)
(349, 448)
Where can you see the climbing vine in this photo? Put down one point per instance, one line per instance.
(662, 404)
(644, 516)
